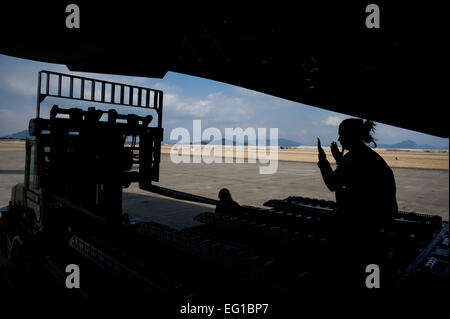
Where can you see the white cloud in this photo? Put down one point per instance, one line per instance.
(165, 87)
(187, 107)
(196, 108)
(332, 121)
(22, 86)
(246, 92)
(213, 96)
(383, 131)
(216, 107)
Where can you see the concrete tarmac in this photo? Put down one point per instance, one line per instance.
(420, 190)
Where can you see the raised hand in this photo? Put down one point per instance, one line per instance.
(322, 155)
(338, 155)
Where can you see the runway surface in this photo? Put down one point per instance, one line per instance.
(420, 190)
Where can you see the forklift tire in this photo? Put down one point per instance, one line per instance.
(21, 250)
(16, 250)
(3, 240)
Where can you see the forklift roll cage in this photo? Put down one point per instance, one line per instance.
(80, 158)
(110, 92)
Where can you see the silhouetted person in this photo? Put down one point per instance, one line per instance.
(363, 182)
(365, 193)
(226, 204)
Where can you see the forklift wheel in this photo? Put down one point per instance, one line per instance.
(3, 240)
(21, 251)
(16, 250)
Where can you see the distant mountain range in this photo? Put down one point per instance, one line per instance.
(410, 144)
(22, 135)
(282, 142)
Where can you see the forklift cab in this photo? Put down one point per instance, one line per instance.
(79, 160)
(28, 196)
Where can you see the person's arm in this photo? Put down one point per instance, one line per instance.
(331, 178)
(337, 154)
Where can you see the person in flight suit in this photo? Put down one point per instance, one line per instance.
(226, 204)
(365, 190)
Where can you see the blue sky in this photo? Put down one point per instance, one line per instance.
(187, 98)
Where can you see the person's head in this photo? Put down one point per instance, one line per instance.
(355, 132)
(224, 194)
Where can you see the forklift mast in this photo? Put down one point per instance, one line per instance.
(81, 159)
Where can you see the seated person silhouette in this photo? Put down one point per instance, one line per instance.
(226, 204)
(365, 194)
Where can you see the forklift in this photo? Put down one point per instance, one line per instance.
(78, 162)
